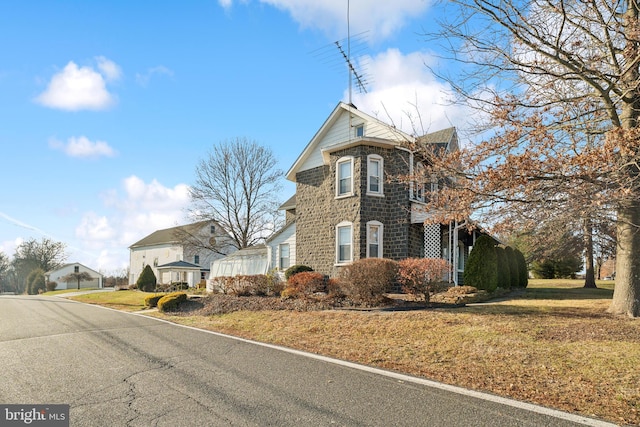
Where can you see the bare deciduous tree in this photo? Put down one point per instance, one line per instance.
(559, 84)
(237, 186)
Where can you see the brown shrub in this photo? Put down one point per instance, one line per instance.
(366, 280)
(423, 276)
(304, 285)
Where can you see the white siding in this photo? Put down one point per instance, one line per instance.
(153, 256)
(288, 235)
(57, 275)
(342, 131)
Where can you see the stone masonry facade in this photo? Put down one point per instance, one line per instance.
(318, 211)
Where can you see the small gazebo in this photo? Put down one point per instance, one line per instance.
(180, 272)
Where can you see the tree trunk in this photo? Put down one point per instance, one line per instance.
(589, 278)
(626, 294)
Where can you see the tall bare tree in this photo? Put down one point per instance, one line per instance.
(558, 82)
(237, 185)
(32, 254)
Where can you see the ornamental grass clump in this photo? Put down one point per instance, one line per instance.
(423, 276)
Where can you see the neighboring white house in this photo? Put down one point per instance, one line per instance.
(281, 248)
(76, 267)
(189, 243)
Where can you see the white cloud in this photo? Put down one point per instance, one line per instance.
(380, 18)
(136, 209)
(405, 93)
(82, 147)
(81, 88)
(110, 70)
(160, 70)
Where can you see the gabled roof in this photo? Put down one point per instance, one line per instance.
(331, 121)
(48, 273)
(445, 138)
(180, 265)
(289, 204)
(170, 235)
(280, 231)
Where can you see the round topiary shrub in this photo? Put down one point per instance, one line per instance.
(152, 300)
(503, 265)
(170, 302)
(295, 269)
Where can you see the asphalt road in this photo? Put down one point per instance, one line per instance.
(119, 369)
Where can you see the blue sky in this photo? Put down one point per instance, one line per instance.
(107, 106)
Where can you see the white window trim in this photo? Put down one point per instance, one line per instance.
(343, 224)
(375, 158)
(340, 161)
(280, 255)
(355, 130)
(380, 238)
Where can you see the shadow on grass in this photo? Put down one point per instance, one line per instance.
(566, 293)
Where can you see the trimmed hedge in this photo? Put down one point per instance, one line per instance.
(152, 300)
(304, 285)
(170, 302)
(481, 270)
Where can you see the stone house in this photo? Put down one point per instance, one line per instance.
(348, 204)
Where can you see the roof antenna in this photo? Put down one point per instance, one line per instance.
(360, 81)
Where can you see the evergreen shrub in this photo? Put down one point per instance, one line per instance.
(295, 269)
(513, 266)
(170, 302)
(504, 269)
(523, 273)
(152, 300)
(147, 280)
(481, 270)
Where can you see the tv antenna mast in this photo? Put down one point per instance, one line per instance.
(352, 72)
(347, 48)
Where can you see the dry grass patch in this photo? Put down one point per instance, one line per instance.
(554, 347)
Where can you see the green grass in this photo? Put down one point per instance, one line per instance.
(67, 291)
(121, 300)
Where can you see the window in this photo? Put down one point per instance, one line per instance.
(344, 177)
(344, 252)
(375, 174)
(76, 269)
(212, 229)
(419, 183)
(196, 259)
(359, 131)
(374, 239)
(284, 256)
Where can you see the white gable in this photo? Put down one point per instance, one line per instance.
(340, 129)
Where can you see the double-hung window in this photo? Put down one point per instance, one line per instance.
(284, 256)
(344, 176)
(375, 174)
(344, 242)
(374, 239)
